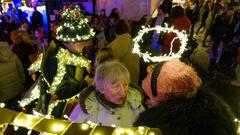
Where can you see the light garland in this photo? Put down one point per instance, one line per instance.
(75, 26)
(132, 131)
(55, 126)
(238, 125)
(64, 58)
(147, 56)
(33, 95)
(77, 37)
(53, 104)
(2, 105)
(35, 67)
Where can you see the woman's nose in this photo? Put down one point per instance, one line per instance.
(122, 90)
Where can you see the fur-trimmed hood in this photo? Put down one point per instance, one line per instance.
(203, 114)
(92, 109)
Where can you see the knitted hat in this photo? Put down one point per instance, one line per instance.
(175, 78)
(74, 26)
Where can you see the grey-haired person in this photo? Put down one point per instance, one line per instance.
(110, 101)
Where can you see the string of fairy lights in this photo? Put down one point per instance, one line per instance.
(55, 126)
(64, 58)
(181, 35)
(49, 126)
(74, 22)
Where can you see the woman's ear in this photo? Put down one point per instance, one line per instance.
(150, 68)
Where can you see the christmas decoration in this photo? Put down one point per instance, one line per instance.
(147, 56)
(46, 126)
(74, 26)
(64, 58)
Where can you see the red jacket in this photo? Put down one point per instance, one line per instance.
(181, 23)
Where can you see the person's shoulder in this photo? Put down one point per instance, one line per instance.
(204, 112)
(88, 100)
(135, 96)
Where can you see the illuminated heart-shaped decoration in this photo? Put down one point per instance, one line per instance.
(182, 36)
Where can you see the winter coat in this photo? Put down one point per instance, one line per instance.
(95, 110)
(122, 50)
(12, 74)
(68, 86)
(180, 23)
(203, 114)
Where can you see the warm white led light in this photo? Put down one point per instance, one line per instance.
(2, 105)
(147, 56)
(85, 126)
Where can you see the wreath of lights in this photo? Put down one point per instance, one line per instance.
(182, 36)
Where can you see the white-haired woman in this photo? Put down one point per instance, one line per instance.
(110, 101)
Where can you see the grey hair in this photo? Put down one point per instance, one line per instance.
(110, 72)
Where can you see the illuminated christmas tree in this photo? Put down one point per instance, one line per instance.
(75, 26)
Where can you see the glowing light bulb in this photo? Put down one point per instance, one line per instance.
(57, 127)
(85, 126)
(2, 105)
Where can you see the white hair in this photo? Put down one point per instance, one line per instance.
(110, 72)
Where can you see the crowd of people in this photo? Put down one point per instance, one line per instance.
(100, 71)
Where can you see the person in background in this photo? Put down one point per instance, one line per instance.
(1, 8)
(180, 22)
(103, 17)
(216, 9)
(10, 12)
(236, 41)
(161, 19)
(113, 19)
(62, 69)
(192, 12)
(99, 28)
(7, 25)
(180, 105)
(12, 75)
(36, 19)
(122, 50)
(26, 52)
(103, 55)
(41, 39)
(221, 34)
(113, 11)
(204, 15)
(110, 100)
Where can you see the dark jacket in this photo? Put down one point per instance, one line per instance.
(67, 88)
(37, 20)
(11, 74)
(203, 114)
